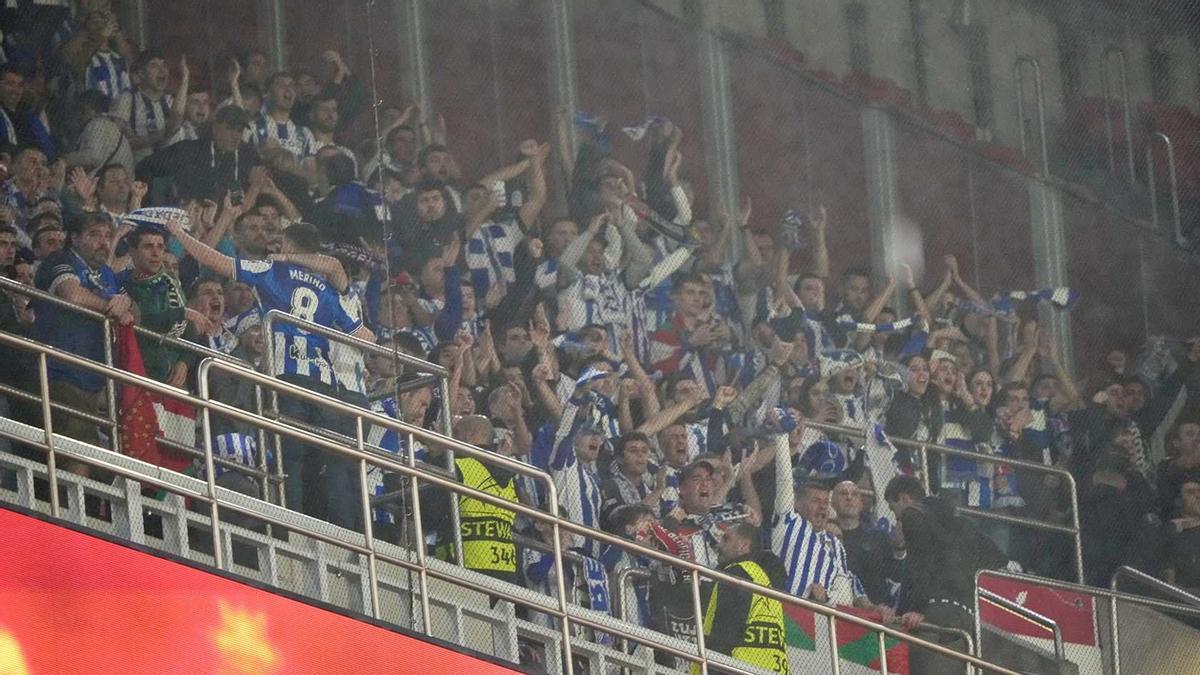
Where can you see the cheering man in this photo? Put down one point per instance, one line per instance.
(320, 488)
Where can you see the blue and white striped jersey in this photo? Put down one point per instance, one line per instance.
(348, 364)
(810, 556)
(107, 73)
(489, 255)
(294, 138)
(304, 295)
(144, 114)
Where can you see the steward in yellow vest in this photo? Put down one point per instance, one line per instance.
(487, 536)
(745, 625)
(486, 529)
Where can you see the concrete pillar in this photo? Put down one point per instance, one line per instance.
(563, 82)
(416, 63)
(883, 197)
(1050, 261)
(716, 100)
(272, 32)
(138, 22)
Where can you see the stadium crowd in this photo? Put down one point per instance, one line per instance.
(675, 391)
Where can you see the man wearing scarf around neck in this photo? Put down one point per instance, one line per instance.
(160, 302)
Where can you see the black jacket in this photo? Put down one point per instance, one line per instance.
(944, 553)
(196, 172)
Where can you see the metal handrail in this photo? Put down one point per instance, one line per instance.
(624, 576)
(557, 522)
(1096, 592)
(420, 365)
(1105, 58)
(1150, 173)
(1155, 583)
(197, 349)
(1029, 615)
(924, 448)
(1041, 107)
(111, 422)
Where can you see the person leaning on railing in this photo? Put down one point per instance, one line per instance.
(487, 529)
(80, 275)
(324, 484)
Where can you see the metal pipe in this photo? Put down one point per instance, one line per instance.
(924, 451)
(262, 449)
(368, 529)
(458, 488)
(419, 543)
(883, 664)
(1114, 628)
(9, 390)
(420, 365)
(1041, 107)
(1094, 591)
(1105, 58)
(110, 389)
(1150, 173)
(47, 422)
(923, 448)
(426, 436)
(28, 291)
(1156, 584)
(210, 473)
(1029, 615)
(448, 431)
(835, 662)
(698, 613)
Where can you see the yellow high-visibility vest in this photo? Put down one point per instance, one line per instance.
(487, 536)
(764, 636)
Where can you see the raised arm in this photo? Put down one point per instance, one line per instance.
(1029, 347)
(650, 403)
(935, 299)
(671, 414)
(535, 175)
(575, 250)
(204, 254)
(1071, 396)
(785, 494)
(235, 87)
(225, 219)
(970, 293)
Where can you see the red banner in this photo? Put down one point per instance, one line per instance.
(70, 602)
(1075, 613)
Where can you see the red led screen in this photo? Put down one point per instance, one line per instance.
(74, 603)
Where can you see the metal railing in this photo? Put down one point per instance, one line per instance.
(1157, 584)
(112, 422)
(1112, 596)
(1040, 99)
(398, 358)
(1126, 106)
(923, 449)
(214, 498)
(1150, 178)
(1051, 626)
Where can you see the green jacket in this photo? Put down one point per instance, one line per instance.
(161, 302)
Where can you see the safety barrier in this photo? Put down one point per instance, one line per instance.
(923, 449)
(365, 545)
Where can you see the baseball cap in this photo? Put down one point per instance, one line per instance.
(688, 470)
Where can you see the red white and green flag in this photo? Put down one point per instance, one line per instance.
(858, 648)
